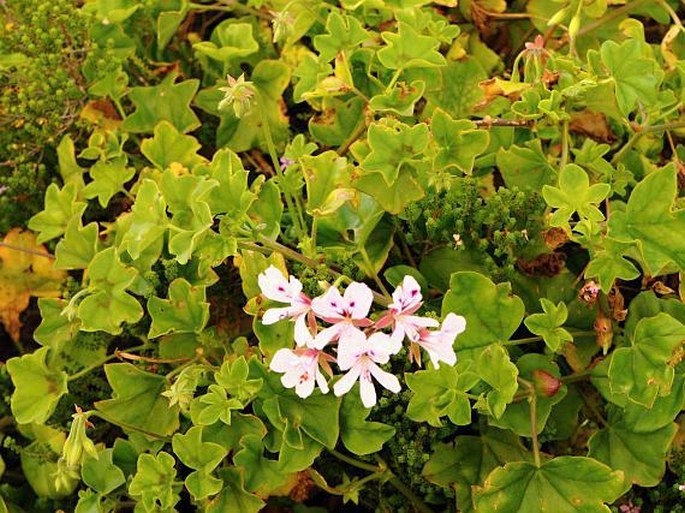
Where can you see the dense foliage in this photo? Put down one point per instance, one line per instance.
(230, 212)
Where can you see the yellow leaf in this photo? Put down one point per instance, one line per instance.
(26, 269)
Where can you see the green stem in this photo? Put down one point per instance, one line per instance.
(374, 274)
(107, 418)
(564, 144)
(529, 340)
(638, 135)
(26, 250)
(576, 376)
(393, 80)
(295, 214)
(419, 505)
(355, 462)
(99, 364)
(534, 427)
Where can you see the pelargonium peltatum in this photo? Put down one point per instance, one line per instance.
(336, 328)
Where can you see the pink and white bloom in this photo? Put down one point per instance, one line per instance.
(439, 344)
(360, 356)
(346, 313)
(301, 369)
(278, 288)
(406, 300)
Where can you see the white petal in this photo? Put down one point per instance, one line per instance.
(367, 391)
(284, 360)
(344, 384)
(273, 315)
(407, 295)
(359, 298)
(290, 379)
(326, 336)
(303, 337)
(330, 305)
(454, 324)
(274, 285)
(321, 381)
(305, 388)
(383, 346)
(350, 347)
(386, 379)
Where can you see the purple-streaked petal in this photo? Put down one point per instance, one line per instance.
(358, 298)
(350, 348)
(330, 305)
(407, 295)
(275, 286)
(274, 315)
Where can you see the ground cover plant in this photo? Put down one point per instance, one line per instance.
(369, 255)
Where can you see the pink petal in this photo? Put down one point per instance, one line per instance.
(359, 298)
(386, 379)
(344, 384)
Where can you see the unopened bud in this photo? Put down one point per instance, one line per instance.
(545, 383)
(605, 331)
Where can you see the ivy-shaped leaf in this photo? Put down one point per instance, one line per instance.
(108, 178)
(393, 199)
(407, 49)
(566, 484)
(137, 401)
(169, 145)
(78, 247)
(574, 194)
(392, 146)
(441, 392)
(651, 220)
(610, 264)
(549, 324)
(164, 102)
(525, 167)
(147, 222)
(233, 376)
(214, 406)
(202, 457)
(459, 142)
(645, 370)
(233, 497)
(343, 33)
(496, 369)
(229, 41)
(153, 482)
(492, 312)
(262, 475)
(186, 310)
(60, 208)
(109, 305)
(361, 436)
(101, 474)
(400, 100)
(37, 388)
(327, 178)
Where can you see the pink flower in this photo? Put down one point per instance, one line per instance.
(406, 301)
(278, 288)
(439, 344)
(360, 356)
(538, 45)
(301, 369)
(346, 313)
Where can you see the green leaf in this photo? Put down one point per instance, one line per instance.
(548, 324)
(640, 419)
(186, 310)
(60, 208)
(229, 41)
(167, 24)
(566, 484)
(233, 497)
(69, 169)
(196, 454)
(310, 72)
(229, 436)
(339, 123)
(327, 178)
(469, 461)
(201, 484)
(153, 483)
(636, 77)
(233, 376)
(646, 369)
(525, 167)
(137, 401)
(55, 329)
(651, 220)
(610, 264)
(400, 100)
(497, 370)
(392, 146)
(459, 142)
(408, 49)
(574, 194)
(37, 389)
(393, 199)
(215, 405)
(78, 246)
(262, 475)
(359, 435)
(641, 456)
(164, 102)
(147, 222)
(232, 196)
(109, 306)
(342, 33)
(169, 145)
(101, 474)
(442, 392)
(458, 91)
(492, 312)
(108, 178)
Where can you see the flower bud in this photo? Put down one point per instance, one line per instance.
(605, 331)
(77, 442)
(545, 383)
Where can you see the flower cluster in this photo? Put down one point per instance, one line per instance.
(341, 322)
